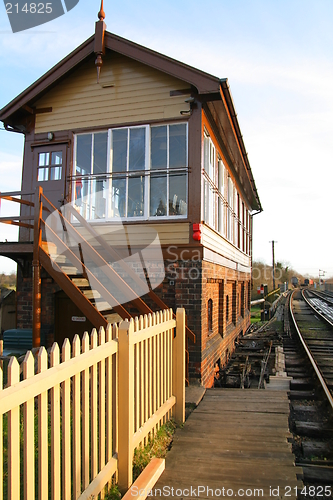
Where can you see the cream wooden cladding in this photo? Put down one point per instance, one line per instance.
(111, 391)
(169, 233)
(128, 92)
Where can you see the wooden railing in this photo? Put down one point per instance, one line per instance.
(80, 419)
(42, 258)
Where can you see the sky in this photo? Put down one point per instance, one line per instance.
(278, 58)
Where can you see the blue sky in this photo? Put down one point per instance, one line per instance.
(278, 57)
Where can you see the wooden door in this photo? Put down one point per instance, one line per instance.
(69, 320)
(50, 171)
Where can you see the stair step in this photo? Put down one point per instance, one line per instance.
(49, 248)
(113, 318)
(103, 306)
(60, 259)
(71, 270)
(80, 282)
(91, 294)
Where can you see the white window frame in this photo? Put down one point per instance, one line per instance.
(147, 172)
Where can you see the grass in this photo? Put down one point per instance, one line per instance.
(156, 447)
(255, 314)
(113, 493)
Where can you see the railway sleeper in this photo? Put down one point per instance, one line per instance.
(317, 474)
(313, 429)
(317, 450)
(300, 384)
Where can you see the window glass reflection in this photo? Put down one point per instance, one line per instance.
(56, 158)
(100, 153)
(83, 153)
(137, 147)
(158, 195)
(136, 196)
(177, 145)
(177, 194)
(118, 198)
(43, 159)
(119, 146)
(159, 147)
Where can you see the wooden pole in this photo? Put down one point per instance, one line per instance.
(178, 366)
(36, 279)
(125, 405)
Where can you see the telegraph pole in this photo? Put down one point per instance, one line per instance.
(322, 275)
(273, 262)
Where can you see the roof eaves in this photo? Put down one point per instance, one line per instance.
(204, 82)
(228, 97)
(51, 76)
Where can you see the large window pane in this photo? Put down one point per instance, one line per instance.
(83, 154)
(209, 204)
(99, 197)
(119, 145)
(137, 148)
(177, 194)
(158, 195)
(100, 153)
(136, 197)
(177, 146)
(206, 154)
(221, 217)
(118, 198)
(221, 177)
(82, 190)
(122, 193)
(159, 147)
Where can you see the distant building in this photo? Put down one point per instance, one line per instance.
(157, 144)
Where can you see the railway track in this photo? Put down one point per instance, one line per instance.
(309, 360)
(313, 320)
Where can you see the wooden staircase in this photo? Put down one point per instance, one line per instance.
(83, 267)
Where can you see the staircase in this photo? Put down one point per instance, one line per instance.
(90, 271)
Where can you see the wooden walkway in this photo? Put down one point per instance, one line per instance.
(237, 440)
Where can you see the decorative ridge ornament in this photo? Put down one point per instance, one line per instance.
(101, 14)
(99, 49)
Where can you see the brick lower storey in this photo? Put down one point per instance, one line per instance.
(216, 300)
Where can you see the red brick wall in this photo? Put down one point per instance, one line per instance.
(189, 284)
(24, 300)
(218, 283)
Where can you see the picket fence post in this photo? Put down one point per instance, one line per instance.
(178, 367)
(125, 405)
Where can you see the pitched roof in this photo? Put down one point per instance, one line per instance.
(209, 88)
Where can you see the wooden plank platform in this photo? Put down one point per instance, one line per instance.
(237, 440)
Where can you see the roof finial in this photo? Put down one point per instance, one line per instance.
(99, 40)
(101, 14)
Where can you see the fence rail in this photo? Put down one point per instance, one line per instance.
(72, 426)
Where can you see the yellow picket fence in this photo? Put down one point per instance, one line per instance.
(72, 427)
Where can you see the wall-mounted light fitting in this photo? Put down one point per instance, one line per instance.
(191, 101)
(50, 136)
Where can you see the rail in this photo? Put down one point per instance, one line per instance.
(308, 352)
(92, 409)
